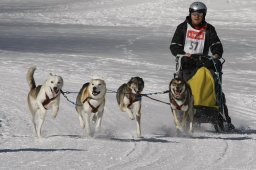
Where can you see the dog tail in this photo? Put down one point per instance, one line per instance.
(30, 77)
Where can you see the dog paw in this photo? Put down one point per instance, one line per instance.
(81, 121)
(230, 127)
(89, 135)
(139, 136)
(82, 125)
(98, 130)
(39, 135)
(179, 132)
(131, 116)
(190, 133)
(54, 114)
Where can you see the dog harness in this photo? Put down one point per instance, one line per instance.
(133, 98)
(48, 100)
(94, 109)
(174, 103)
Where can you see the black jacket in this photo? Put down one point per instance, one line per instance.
(212, 40)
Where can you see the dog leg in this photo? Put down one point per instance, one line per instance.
(138, 117)
(34, 123)
(55, 109)
(184, 120)
(81, 120)
(87, 123)
(137, 108)
(41, 118)
(94, 118)
(99, 120)
(176, 121)
(33, 109)
(130, 114)
(190, 127)
(191, 119)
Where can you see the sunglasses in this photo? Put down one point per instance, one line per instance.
(197, 14)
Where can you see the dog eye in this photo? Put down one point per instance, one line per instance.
(93, 84)
(58, 82)
(99, 84)
(51, 81)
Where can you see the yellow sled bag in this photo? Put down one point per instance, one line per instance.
(203, 88)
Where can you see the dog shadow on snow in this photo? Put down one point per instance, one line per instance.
(113, 135)
(239, 131)
(142, 139)
(159, 136)
(38, 150)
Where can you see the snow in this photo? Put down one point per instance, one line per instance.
(116, 40)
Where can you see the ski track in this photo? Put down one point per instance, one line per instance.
(137, 47)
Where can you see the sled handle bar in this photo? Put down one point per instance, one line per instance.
(195, 57)
(198, 57)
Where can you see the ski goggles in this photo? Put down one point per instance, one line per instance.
(200, 14)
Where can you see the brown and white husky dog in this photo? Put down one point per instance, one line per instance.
(129, 99)
(90, 104)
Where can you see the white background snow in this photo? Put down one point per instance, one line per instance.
(118, 39)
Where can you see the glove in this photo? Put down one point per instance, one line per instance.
(216, 56)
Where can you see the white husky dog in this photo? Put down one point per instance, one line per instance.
(90, 104)
(43, 97)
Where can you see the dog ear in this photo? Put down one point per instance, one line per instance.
(90, 82)
(132, 78)
(141, 83)
(130, 81)
(171, 83)
(61, 79)
(141, 79)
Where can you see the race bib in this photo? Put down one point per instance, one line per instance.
(194, 43)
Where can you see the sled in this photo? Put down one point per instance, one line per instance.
(205, 82)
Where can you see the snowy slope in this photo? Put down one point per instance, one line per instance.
(118, 39)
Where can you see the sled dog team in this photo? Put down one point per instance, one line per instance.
(90, 102)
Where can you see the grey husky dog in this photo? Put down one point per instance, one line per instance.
(43, 97)
(129, 99)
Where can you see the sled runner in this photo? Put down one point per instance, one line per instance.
(203, 74)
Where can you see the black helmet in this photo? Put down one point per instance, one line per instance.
(198, 7)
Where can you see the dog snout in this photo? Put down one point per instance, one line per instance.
(94, 88)
(178, 89)
(140, 89)
(56, 89)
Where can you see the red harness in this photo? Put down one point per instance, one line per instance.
(178, 107)
(48, 100)
(94, 109)
(133, 98)
(176, 104)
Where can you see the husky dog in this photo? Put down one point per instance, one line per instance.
(181, 101)
(129, 99)
(43, 97)
(91, 101)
